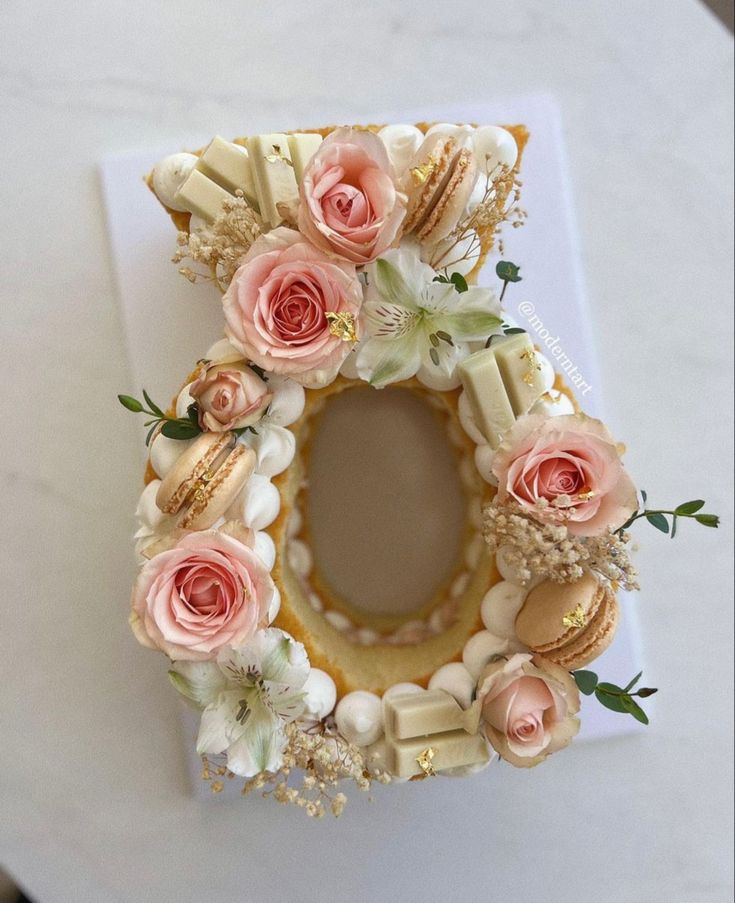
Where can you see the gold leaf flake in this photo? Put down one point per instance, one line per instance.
(342, 325)
(574, 618)
(277, 155)
(424, 761)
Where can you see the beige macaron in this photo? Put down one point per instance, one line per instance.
(438, 184)
(569, 623)
(205, 480)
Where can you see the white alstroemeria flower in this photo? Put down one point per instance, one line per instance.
(418, 326)
(248, 695)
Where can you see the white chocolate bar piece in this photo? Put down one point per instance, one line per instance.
(452, 749)
(228, 165)
(303, 146)
(487, 395)
(275, 180)
(520, 371)
(502, 383)
(420, 714)
(201, 196)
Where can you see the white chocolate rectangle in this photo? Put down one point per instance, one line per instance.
(228, 165)
(452, 749)
(520, 371)
(303, 146)
(486, 394)
(275, 180)
(419, 714)
(201, 196)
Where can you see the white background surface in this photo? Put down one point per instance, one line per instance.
(93, 802)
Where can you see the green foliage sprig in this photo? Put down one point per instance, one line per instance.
(659, 518)
(613, 697)
(171, 427)
(456, 279)
(507, 272)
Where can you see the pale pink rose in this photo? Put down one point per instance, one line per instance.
(529, 708)
(277, 304)
(229, 397)
(568, 470)
(349, 205)
(207, 592)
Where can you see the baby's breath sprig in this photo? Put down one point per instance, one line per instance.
(659, 518)
(171, 427)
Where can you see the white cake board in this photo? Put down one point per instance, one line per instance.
(169, 323)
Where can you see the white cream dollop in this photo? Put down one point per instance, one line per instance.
(484, 457)
(223, 352)
(166, 452)
(480, 648)
(494, 146)
(455, 679)
(500, 607)
(288, 400)
(553, 404)
(258, 504)
(320, 694)
(401, 141)
(169, 175)
(467, 419)
(265, 548)
(359, 717)
(274, 446)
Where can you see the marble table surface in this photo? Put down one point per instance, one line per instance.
(94, 801)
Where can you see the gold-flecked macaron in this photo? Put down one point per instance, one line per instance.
(569, 623)
(438, 184)
(205, 480)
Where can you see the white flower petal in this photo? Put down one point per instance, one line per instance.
(201, 682)
(384, 361)
(214, 732)
(260, 746)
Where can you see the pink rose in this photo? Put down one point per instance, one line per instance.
(277, 307)
(568, 470)
(529, 708)
(349, 205)
(229, 397)
(207, 592)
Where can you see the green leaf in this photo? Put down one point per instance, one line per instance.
(513, 330)
(708, 520)
(632, 708)
(687, 508)
(634, 682)
(674, 522)
(459, 282)
(658, 521)
(192, 412)
(507, 271)
(440, 278)
(644, 496)
(132, 404)
(614, 703)
(179, 429)
(152, 405)
(586, 681)
(151, 431)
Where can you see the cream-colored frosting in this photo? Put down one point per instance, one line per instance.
(455, 679)
(169, 175)
(494, 146)
(480, 648)
(359, 717)
(500, 607)
(401, 141)
(258, 504)
(320, 695)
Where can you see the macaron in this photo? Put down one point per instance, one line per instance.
(205, 480)
(569, 623)
(438, 184)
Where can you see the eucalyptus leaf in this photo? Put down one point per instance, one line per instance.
(688, 508)
(152, 405)
(586, 681)
(614, 703)
(459, 282)
(132, 404)
(708, 520)
(513, 330)
(507, 271)
(633, 682)
(657, 520)
(632, 708)
(179, 429)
